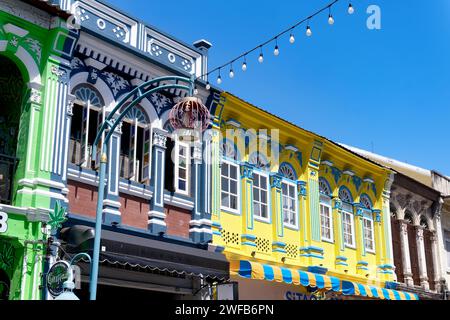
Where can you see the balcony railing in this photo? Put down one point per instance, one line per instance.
(7, 169)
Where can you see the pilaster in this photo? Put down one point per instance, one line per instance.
(156, 223)
(111, 203)
(406, 258)
(421, 255)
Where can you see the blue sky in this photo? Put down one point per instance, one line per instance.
(384, 90)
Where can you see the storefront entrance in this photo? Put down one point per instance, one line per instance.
(107, 292)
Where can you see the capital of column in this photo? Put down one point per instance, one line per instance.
(337, 203)
(301, 187)
(419, 233)
(197, 153)
(275, 180)
(246, 170)
(403, 227)
(159, 140)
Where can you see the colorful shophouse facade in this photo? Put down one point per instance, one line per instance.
(71, 62)
(313, 224)
(156, 218)
(419, 227)
(35, 46)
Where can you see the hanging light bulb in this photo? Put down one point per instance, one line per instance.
(308, 31)
(330, 19)
(261, 56)
(244, 65)
(276, 51)
(219, 78)
(231, 73)
(292, 38)
(350, 10)
(208, 86)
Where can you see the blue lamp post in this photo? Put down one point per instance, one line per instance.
(111, 122)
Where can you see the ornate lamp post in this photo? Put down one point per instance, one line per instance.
(188, 114)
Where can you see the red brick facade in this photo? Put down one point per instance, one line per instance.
(82, 198)
(177, 221)
(134, 211)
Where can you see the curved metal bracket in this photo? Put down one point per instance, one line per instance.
(137, 94)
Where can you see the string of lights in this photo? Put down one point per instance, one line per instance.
(276, 51)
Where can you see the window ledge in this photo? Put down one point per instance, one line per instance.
(328, 241)
(263, 220)
(350, 247)
(291, 227)
(230, 211)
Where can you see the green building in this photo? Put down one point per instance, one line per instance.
(35, 44)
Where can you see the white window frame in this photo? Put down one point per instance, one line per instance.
(86, 157)
(370, 250)
(330, 217)
(352, 220)
(260, 218)
(238, 189)
(179, 144)
(292, 184)
(138, 163)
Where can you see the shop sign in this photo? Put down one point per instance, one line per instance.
(56, 277)
(293, 295)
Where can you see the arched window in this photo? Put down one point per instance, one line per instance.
(135, 146)
(324, 187)
(365, 202)
(88, 114)
(287, 171)
(326, 216)
(258, 160)
(424, 223)
(347, 217)
(228, 150)
(408, 217)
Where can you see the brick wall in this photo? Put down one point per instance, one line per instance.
(134, 211)
(177, 221)
(82, 198)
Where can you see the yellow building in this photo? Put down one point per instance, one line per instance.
(297, 215)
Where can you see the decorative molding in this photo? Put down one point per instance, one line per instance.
(35, 96)
(159, 140)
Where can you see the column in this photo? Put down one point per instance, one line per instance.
(302, 223)
(156, 215)
(422, 260)
(361, 264)
(436, 265)
(248, 244)
(442, 263)
(111, 203)
(278, 246)
(341, 260)
(406, 259)
(200, 225)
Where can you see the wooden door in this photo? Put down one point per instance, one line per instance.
(397, 247)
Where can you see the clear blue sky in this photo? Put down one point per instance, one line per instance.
(389, 88)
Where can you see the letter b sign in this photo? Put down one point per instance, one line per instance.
(3, 222)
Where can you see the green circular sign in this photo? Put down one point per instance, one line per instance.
(56, 276)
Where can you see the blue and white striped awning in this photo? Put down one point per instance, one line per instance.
(255, 270)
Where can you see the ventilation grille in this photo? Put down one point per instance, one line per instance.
(230, 238)
(291, 251)
(262, 245)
